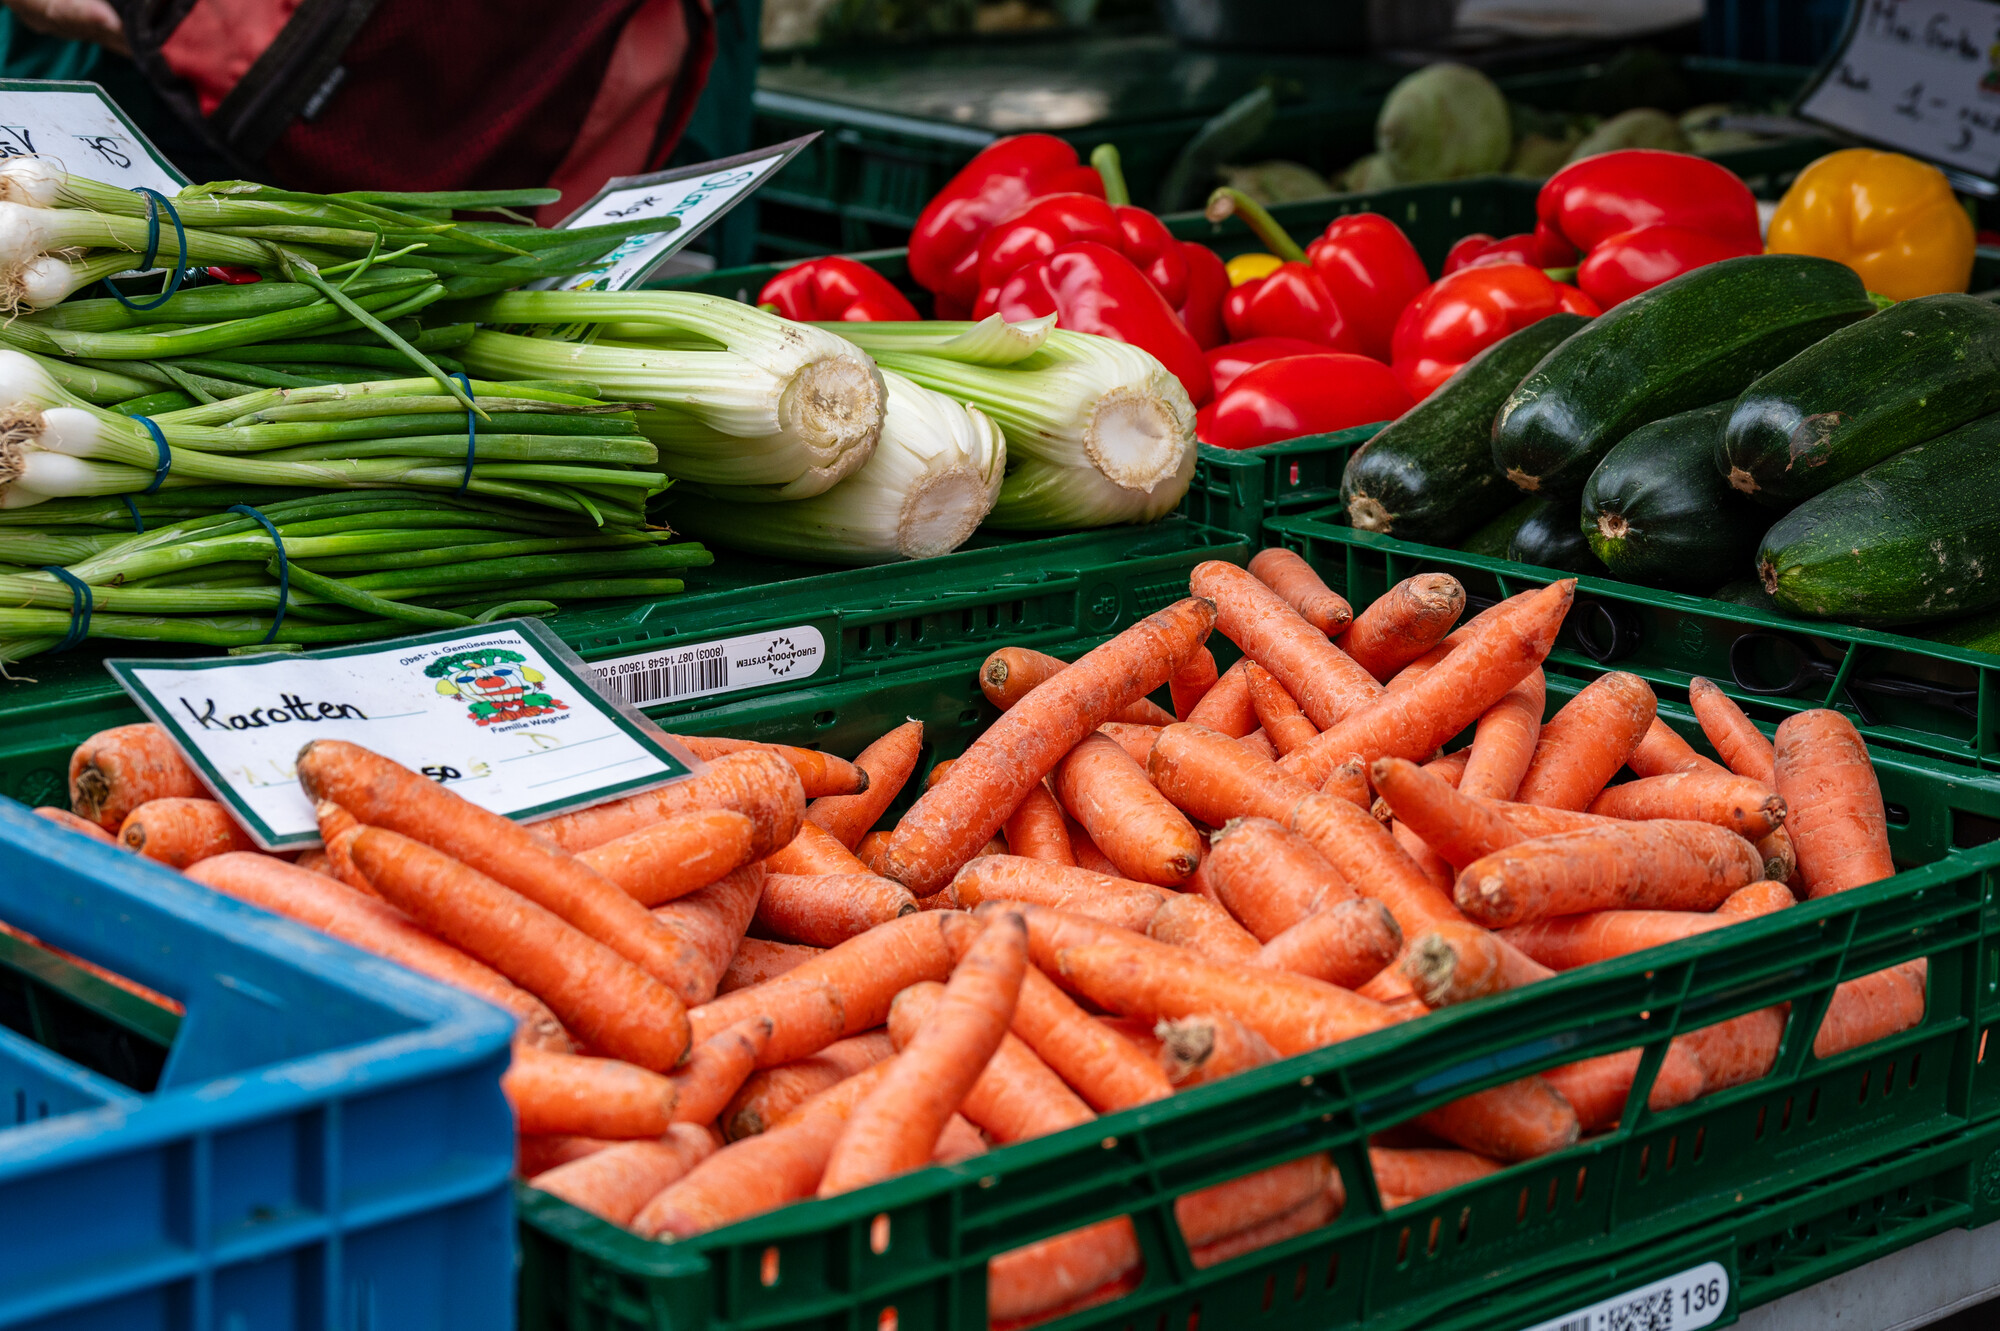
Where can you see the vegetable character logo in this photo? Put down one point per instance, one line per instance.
(497, 683)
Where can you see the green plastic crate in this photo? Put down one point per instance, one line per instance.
(1240, 489)
(1500, 1253)
(872, 620)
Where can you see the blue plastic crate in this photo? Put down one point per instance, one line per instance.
(326, 1146)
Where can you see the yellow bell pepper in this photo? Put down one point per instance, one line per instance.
(1249, 267)
(1890, 218)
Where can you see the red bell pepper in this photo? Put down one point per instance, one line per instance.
(1544, 247)
(1092, 288)
(1208, 285)
(1055, 220)
(1292, 302)
(835, 288)
(1231, 359)
(1641, 207)
(999, 182)
(1372, 271)
(1463, 313)
(1283, 399)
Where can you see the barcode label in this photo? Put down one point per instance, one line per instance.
(724, 666)
(1692, 1299)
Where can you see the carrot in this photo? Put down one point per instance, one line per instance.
(1504, 742)
(1016, 1096)
(1781, 859)
(1036, 829)
(1349, 782)
(115, 771)
(1191, 683)
(597, 994)
(1226, 708)
(1209, 1046)
(1734, 736)
(939, 770)
(759, 959)
(337, 828)
(1407, 1174)
(1742, 1049)
(180, 829)
(897, 1126)
(1107, 1070)
(951, 821)
(825, 909)
(717, 1068)
(1568, 941)
(1747, 808)
(1872, 1008)
(889, 761)
(670, 859)
(814, 851)
(1011, 673)
(1257, 742)
(1277, 714)
(1536, 820)
(1136, 741)
(769, 1095)
(1085, 851)
(540, 1152)
(1517, 1120)
(1202, 926)
(870, 847)
(391, 797)
(819, 773)
(1301, 1219)
(1838, 826)
(1347, 943)
(712, 923)
(373, 925)
(1598, 1087)
(1138, 1032)
(1116, 901)
(588, 1097)
(753, 781)
(1295, 582)
(1325, 680)
(63, 818)
(613, 1184)
(1229, 1208)
(1413, 722)
(1757, 899)
(1456, 962)
(959, 1141)
(1659, 865)
(1458, 828)
(1403, 623)
(1450, 767)
(1662, 752)
(1585, 743)
(1271, 878)
(1105, 790)
(1058, 1272)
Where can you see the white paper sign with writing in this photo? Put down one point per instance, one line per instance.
(78, 126)
(1920, 76)
(500, 714)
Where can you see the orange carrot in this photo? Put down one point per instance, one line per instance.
(959, 1141)
(1226, 708)
(1191, 683)
(1277, 714)
(1659, 865)
(1742, 1049)
(759, 959)
(372, 925)
(819, 773)
(825, 909)
(1229, 1208)
(1456, 962)
(1137, 741)
(337, 829)
(1036, 829)
(1757, 899)
(1302, 589)
(1569, 941)
(1107, 1070)
(1085, 851)
(1403, 623)
(1325, 680)
(1301, 1219)
(1585, 743)
(1662, 752)
(180, 830)
(1138, 1032)
(1407, 1174)
(1347, 943)
(1059, 1272)
(1458, 828)
(1838, 826)
(1872, 1008)
(814, 851)
(1011, 673)
(538, 1153)
(1734, 736)
(1202, 926)
(939, 770)
(948, 825)
(63, 818)
(1745, 807)
(889, 761)
(1016, 1096)
(115, 771)
(711, 922)
(1116, 901)
(717, 1068)
(1517, 1120)
(870, 848)
(753, 781)
(601, 997)
(769, 1095)
(1504, 743)
(1781, 860)
(588, 1097)
(613, 1184)
(1349, 782)
(1597, 1087)
(1271, 878)
(1537, 820)
(1147, 838)
(1209, 1046)
(1257, 742)
(670, 859)
(897, 1126)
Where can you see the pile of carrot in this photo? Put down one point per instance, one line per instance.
(753, 987)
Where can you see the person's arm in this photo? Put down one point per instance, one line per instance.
(75, 20)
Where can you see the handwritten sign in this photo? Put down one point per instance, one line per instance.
(1919, 76)
(694, 196)
(77, 125)
(501, 714)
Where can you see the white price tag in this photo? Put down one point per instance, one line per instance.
(726, 665)
(1683, 1302)
(77, 125)
(1919, 76)
(693, 196)
(502, 714)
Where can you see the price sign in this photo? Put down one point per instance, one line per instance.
(75, 124)
(1919, 76)
(688, 199)
(502, 714)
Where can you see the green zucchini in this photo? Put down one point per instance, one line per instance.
(1977, 633)
(1704, 336)
(1913, 538)
(1861, 394)
(1429, 475)
(1656, 512)
(1495, 538)
(1552, 537)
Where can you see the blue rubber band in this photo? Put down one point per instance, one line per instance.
(80, 606)
(138, 523)
(166, 458)
(284, 567)
(154, 202)
(471, 435)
